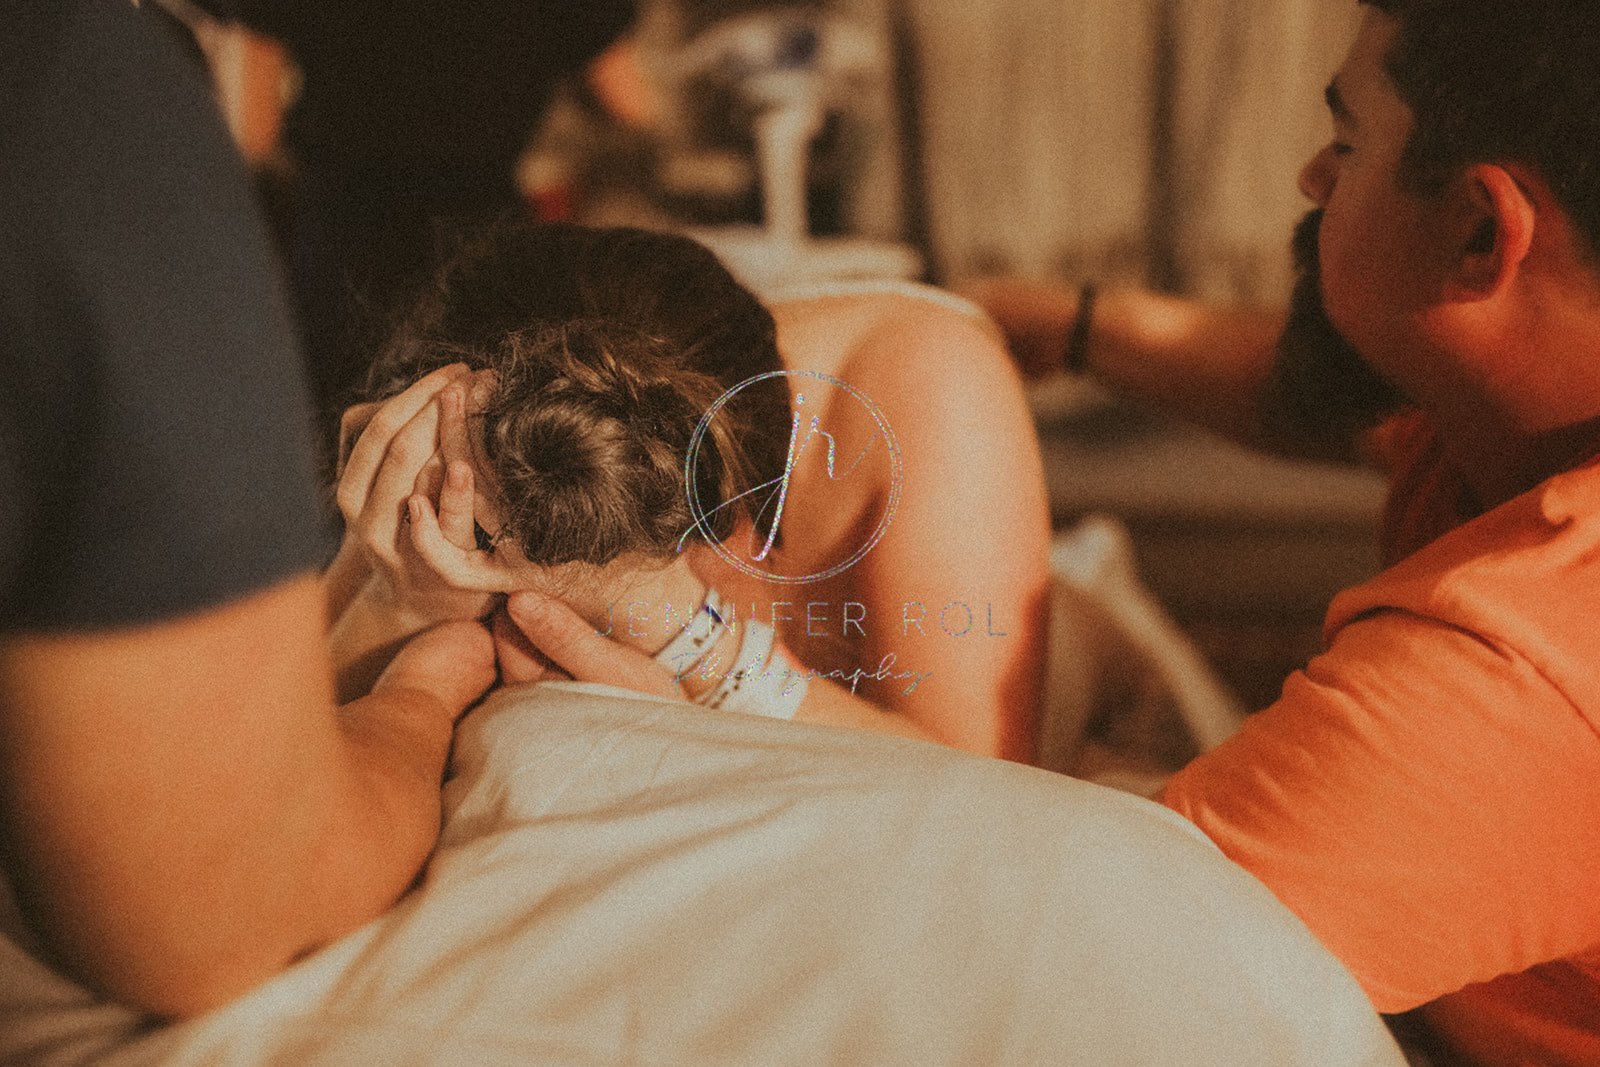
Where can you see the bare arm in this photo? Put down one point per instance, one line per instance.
(1206, 364)
(830, 704)
(186, 809)
(570, 644)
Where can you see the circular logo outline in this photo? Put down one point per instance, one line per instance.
(896, 477)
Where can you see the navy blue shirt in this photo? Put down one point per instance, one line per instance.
(155, 452)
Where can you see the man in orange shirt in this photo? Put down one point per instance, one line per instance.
(1426, 793)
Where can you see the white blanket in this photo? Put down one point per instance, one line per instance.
(623, 880)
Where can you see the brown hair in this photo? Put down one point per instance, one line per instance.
(1502, 80)
(608, 347)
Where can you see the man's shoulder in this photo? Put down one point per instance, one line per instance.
(157, 439)
(1524, 577)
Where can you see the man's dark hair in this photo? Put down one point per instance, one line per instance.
(1503, 81)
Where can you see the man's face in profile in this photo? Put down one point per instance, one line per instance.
(1358, 257)
(1321, 388)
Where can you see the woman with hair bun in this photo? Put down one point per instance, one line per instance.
(831, 511)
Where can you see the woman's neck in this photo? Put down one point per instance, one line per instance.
(640, 604)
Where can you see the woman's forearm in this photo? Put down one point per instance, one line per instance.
(828, 704)
(344, 578)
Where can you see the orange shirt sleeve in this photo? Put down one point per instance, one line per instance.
(1424, 799)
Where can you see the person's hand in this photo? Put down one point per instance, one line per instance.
(453, 663)
(413, 444)
(538, 638)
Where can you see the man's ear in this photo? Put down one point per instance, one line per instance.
(1492, 232)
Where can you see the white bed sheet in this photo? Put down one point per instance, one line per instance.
(623, 880)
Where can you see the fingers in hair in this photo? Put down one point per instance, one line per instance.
(397, 478)
(456, 505)
(352, 421)
(456, 496)
(378, 430)
(462, 568)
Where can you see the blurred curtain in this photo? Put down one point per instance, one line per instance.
(1249, 113)
(1033, 118)
(1144, 140)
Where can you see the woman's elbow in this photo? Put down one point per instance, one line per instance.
(180, 965)
(190, 985)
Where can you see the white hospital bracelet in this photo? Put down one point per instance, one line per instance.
(685, 651)
(763, 681)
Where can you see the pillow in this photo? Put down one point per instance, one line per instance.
(622, 879)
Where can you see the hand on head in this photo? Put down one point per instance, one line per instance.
(453, 663)
(406, 491)
(539, 638)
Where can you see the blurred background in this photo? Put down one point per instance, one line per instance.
(1148, 142)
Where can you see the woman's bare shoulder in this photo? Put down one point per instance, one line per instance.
(892, 337)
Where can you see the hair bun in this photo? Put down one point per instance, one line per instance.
(588, 430)
(586, 440)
